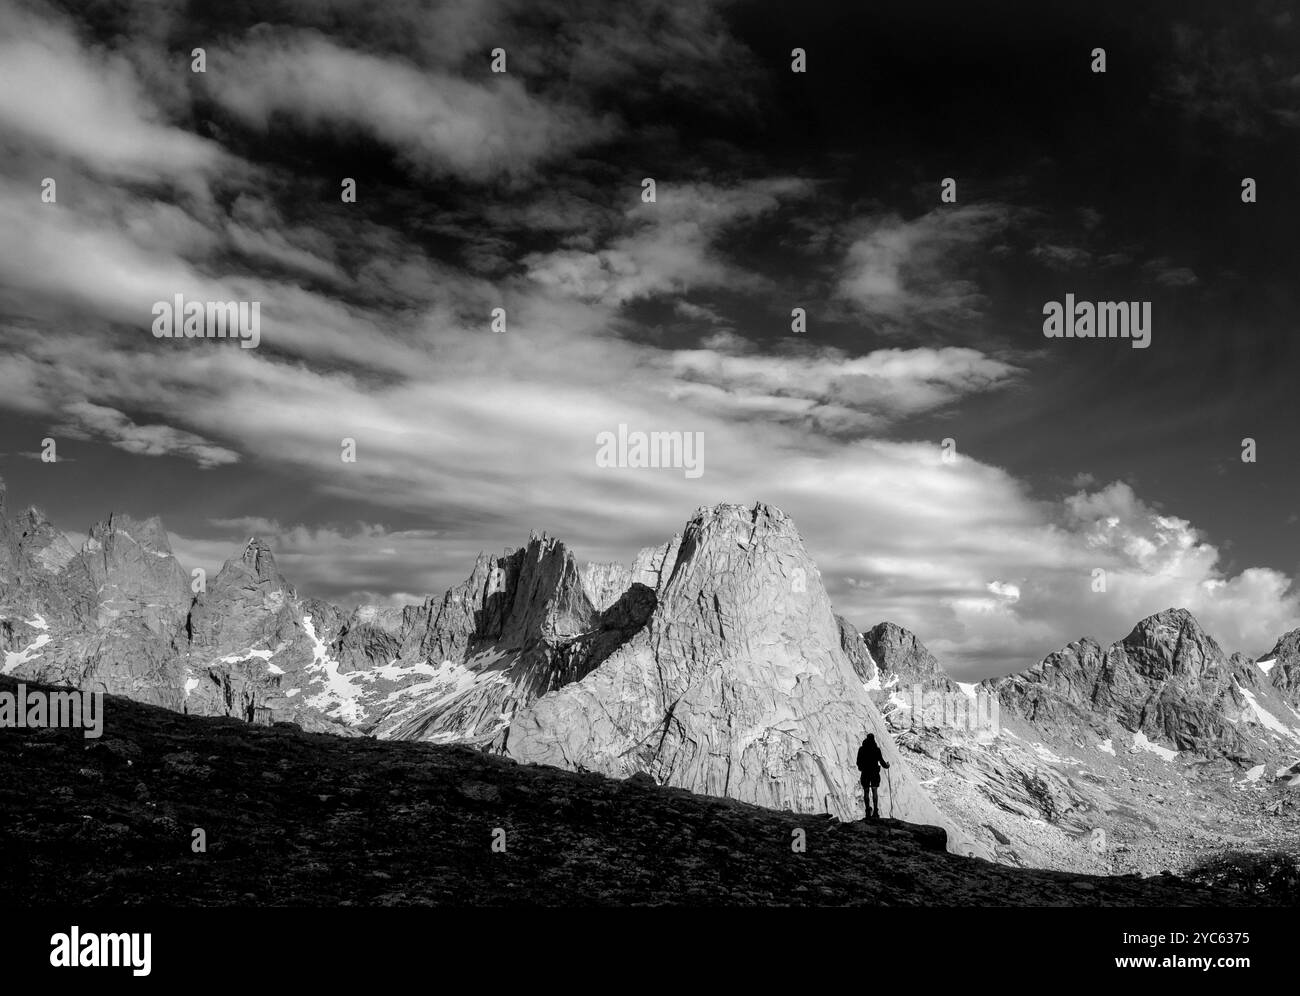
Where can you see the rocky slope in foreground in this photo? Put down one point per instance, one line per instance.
(311, 819)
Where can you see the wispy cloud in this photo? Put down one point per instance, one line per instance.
(1242, 78)
(670, 246)
(825, 388)
(1061, 257)
(898, 270)
(85, 421)
(439, 123)
(89, 104)
(1167, 273)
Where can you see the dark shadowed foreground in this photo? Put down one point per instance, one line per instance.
(313, 819)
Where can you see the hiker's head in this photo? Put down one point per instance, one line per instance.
(871, 738)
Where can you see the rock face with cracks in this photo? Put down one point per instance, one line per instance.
(737, 686)
(520, 626)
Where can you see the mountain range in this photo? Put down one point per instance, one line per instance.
(1156, 752)
(714, 663)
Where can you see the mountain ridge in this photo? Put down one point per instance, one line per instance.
(713, 662)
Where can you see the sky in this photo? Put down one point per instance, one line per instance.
(774, 190)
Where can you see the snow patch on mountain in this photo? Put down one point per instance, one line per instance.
(341, 693)
(1140, 742)
(448, 680)
(393, 671)
(264, 655)
(1266, 718)
(16, 660)
(871, 657)
(261, 655)
(1047, 754)
(875, 684)
(449, 736)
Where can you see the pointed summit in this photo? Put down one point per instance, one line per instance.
(1282, 665)
(147, 532)
(513, 602)
(1167, 680)
(247, 601)
(259, 559)
(1171, 618)
(134, 573)
(549, 599)
(899, 653)
(1172, 643)
(33, 518)
(257, 565)
(520, 626)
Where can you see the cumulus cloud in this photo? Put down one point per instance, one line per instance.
(1091, 565)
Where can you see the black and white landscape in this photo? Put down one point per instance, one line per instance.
(529, 445)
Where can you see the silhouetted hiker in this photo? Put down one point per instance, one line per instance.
(870, 761)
